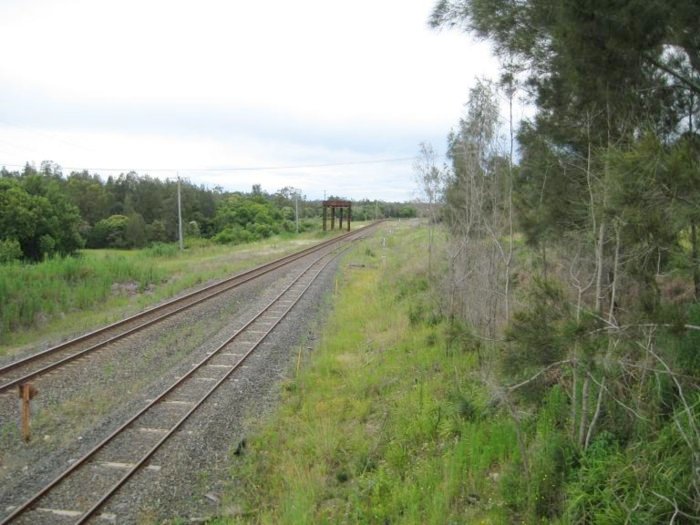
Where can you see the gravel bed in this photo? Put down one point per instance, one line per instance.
(76, 407)
(195, 463)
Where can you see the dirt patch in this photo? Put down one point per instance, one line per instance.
(126, 288)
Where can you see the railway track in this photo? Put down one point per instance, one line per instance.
(80, 492)
(35, 365)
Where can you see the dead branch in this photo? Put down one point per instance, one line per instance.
(542, 371)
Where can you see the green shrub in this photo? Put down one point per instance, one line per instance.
(639, 481)
(109, 232)
(234, 235)
(10, 250)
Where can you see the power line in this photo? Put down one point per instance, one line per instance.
(231, 168)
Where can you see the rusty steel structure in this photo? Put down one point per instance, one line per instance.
(339, 205)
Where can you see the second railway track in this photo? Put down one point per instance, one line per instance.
(35, 365)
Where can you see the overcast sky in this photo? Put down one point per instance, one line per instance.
(161, 86)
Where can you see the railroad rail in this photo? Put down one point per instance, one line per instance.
(35, 365)
(127, 450)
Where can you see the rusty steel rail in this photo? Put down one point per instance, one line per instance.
(89, 457)
(101, 337)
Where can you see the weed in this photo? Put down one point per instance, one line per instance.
(160, 249)
(376, 429)
(60, 296)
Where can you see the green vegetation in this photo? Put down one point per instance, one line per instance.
(36, 220)
(383, 423)
(61, 296)
(540, 365)
(46, 217)
(558, 322)
(33, 292)
(574, 264)
(44, 214)
(401, 415)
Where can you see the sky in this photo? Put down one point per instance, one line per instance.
(330, 97)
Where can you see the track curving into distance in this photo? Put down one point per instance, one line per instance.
(35, 365)
(101, 472)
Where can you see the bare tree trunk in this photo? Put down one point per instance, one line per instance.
(574, 396)
(599, 253)
(694, 255)
(596, 414)
(611, 310)
(584, 411)
(521, 440)
(430, 250)
(574, 386)
(509, 258)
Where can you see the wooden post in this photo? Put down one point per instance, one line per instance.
(340, 227)
(349, 215)
(332, 217)
(26, 393)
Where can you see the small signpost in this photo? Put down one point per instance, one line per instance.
(26, 393)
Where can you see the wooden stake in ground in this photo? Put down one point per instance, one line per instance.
(26, 393)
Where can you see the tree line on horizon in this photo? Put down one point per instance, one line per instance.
(44, 213)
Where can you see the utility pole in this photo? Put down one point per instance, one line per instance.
(296, 206)
(179, 214)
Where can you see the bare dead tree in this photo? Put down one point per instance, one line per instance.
(430, 183)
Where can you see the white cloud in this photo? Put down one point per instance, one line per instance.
(179, 83)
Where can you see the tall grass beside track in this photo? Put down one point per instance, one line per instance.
(63, 296)
(383, 424)
(33, 293)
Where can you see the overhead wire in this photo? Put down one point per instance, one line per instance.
(230, 168)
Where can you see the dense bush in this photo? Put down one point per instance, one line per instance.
(247, 218)
(35, 215)
(47, 213)
(10, 250)
(109, 232)
(233, 235)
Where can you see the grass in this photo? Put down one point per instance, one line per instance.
(59, 297)
(382, 423)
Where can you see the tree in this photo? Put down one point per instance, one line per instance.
(88, 193)
(477, 211)
(243, 218)
(430, 182)
(110, 233)
(44, 223)
(607, 191)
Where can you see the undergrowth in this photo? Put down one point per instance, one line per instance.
(384, 423)
(33, 293)
(401, 415)
(61, 296)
